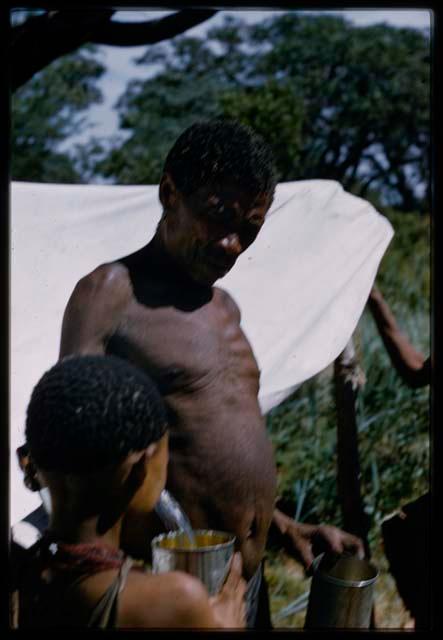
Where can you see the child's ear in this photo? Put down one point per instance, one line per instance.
(27, 466)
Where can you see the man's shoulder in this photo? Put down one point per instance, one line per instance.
(106, 278)
(227, 300)
(107, 273)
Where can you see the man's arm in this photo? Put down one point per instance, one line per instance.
(411, 365)
(307, 540)
(94, 310)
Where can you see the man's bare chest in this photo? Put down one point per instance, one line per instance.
(183, 349)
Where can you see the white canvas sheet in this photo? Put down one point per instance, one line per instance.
(301, 286)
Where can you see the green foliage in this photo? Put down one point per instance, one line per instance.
(334, 100)
(393, 430)
(156, 111)
(393, 420)
(303, 431)
(45, 111)
(408, 256)
(366, 93)
(263, 106)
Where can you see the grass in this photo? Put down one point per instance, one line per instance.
(393, 429)
(287, 582)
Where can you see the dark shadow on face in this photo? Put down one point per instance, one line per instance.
(197, 242)
(119, 502)
(208, 230)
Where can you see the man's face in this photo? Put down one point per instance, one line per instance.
(208, 230)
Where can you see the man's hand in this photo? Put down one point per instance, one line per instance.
(229, 605)
(307, 540)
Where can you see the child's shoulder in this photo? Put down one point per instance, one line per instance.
(173, 599)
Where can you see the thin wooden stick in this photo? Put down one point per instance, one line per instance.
(348, 378)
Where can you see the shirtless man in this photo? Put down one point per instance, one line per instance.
(97, 433)
(159, 309)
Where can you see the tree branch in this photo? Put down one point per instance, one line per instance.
(43, 39)
(138, 33)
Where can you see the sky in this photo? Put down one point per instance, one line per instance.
(120, 65)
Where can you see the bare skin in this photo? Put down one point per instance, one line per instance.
(415, 371)
(170, 600)
(410, 364)
(173, 600)
(186, 334)
(159, 309)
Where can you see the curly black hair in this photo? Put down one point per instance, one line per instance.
(218, 149)
(88, 412)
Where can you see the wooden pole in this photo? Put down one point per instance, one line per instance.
(348, 378)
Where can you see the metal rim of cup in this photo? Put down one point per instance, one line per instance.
(345, 583)
(212, 547)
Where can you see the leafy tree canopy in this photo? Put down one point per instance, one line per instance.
(335, 101)
(47, 110)
(49, 34)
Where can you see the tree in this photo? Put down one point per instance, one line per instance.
(366, 96)
(156, 112)
(196, 72)
(264, 106)
(44, 37)
(46, 111)
(335, 101)
(53, 76)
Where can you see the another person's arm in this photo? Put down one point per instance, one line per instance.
(409, 363)
(306, 540)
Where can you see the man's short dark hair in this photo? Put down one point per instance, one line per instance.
(89, 412)
(210, 152)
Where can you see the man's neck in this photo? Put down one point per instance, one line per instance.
(153, 254)
(155, 257)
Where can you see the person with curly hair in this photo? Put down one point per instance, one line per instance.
(158, 308)
(96, 429)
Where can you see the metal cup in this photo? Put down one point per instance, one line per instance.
(208, 559)
(342, 593)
